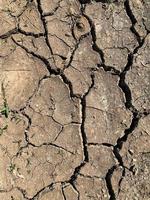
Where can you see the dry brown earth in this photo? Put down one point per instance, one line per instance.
(74, 100)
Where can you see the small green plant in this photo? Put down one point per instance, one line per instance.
(11, 168)
(3, 129)
(5, 110)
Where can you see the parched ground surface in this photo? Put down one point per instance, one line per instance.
(74, 100)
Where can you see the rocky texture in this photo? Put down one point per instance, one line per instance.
(106, 116)
(135, 155)
(74, 100)
(138, 78)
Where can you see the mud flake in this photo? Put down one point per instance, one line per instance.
(92, 189)
(138, 78)
(23, 70)
(105, 118)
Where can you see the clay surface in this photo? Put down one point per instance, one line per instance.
(74, 100)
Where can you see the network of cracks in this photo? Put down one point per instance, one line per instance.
(74, 100)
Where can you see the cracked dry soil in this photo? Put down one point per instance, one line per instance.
(74, 100)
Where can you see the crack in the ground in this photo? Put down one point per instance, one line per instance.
(43, 59)
(35, 35)
(52, 71)
(36, 196)
(53, 11)
(135, 120)
(9, 33)
(116, 151)
(18, 30)
(109, 183)
(50, 144)
(73, 52)
(64, 185)
(72, 95)
(75, 188)
(26, 138)
(83, 103)
(23, 10)
(44, 22)
(69, 84)
(133, 20)
(122, 84)
(95, 47)
(147, 31)
(88, 176)
(63, 193)
(84, 137)
(113, 71)
(125, 89)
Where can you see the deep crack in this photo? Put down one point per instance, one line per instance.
(84, 137)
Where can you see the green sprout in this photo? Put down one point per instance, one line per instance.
(3, 129)
(11, 168)
(5, 110)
